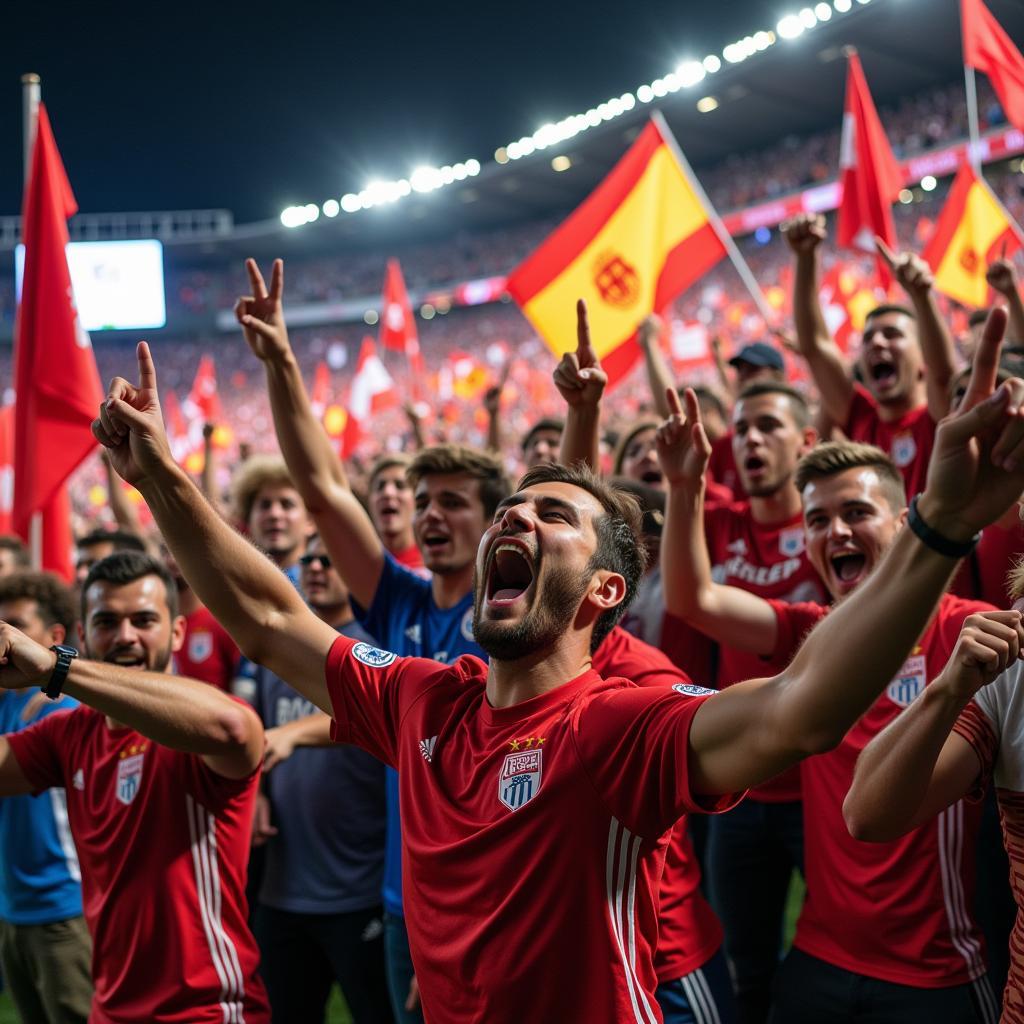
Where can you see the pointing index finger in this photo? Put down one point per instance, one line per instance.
(147, 370)
(259, 286)
(584, 348)
(885, 252)
(986, 360)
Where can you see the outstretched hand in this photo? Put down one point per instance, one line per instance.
(262, 315)
(130, 425)
(683, 446)
(976, 470)
(913, 274)
(579, 377)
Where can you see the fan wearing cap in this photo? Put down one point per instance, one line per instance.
(906, 358)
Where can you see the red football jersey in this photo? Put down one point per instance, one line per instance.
(908, 441)
(906, 907)
(534, 835)
(769, 560)
(163, 844)
(982, 574)
(208, 652)
(689, 932)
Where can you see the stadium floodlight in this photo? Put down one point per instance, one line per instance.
(312, 212)
(370, 317)
(906, 196)
(293, 216)
(473, 168)
(790, 26)
(658, 85)
(350, 203)
(628, 101)
(706, 104)
(690, 73)
(842, 6)
(501, 155)
(928, 183)
(427, 311)
(561, 163)
(331, 208)
(808, 18)
(645, 94)
(822, 11)
(712, 64)
(762, 40)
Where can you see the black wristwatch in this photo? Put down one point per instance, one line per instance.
(55, 684)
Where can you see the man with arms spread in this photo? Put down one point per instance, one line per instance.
(907, 944)
(44, 941)
(899, 403)
(533, 789)
(160, 775)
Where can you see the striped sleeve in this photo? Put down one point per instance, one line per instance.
(974, 726)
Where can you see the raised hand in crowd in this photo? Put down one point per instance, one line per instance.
(1002, 277)
(683, 446)
(262, 314)
(581, 382)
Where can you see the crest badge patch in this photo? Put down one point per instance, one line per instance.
(372, 656)
(904, 448)
(519, 781)
(791, 542)
(200, 646)
(129, 777)
(909, 681)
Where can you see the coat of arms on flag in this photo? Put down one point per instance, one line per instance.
(519, 781)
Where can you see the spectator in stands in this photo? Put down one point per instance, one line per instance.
(390, 502)
(541, 441)
(14, 555)
(95, 546)
(45, 949)
(160, 774)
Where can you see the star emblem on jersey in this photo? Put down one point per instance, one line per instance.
(528, 743)
(427, 749)
(519, 779)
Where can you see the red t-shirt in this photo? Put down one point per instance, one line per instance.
(533, 835)
(899, 911)
(907, 441)
(163, 844)
(689, 932)
(769, 560)
(982, 574)
(208, 653)
(411, 558)
(722, 466)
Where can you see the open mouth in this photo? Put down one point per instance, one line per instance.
(848, 566)
(511, 574)
(387, 510)
(434, 541)
(127, 659)
(753, 464)
(883, 373)
(652, 477)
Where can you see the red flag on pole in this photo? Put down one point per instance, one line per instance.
(320, 396)
(870, 176)
(397, 325)
(6, 467)
(987, 48)
(372, 391)
(58, 386)
(203, 402)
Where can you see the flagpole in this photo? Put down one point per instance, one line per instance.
(746, 275)
(973, 134)
(31, 89)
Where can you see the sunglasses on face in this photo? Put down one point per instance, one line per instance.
(307, 560)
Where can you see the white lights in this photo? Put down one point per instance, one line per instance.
(822, 11)
(561, 163)
(706, 104)
(645, 94)
(928, 183)
(690, 73)
(842, 6)
(906, 196)
(790, 26)
(331, 208)
(711, 64)
(808, 18)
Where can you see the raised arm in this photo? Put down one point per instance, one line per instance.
(753, 730)
(1002, 277)
(916, 279)
(208, 477)
(344, 525)
(805, 233)
(179, 713)
(126, 515)
(726, 614)
(918, 766)
(581, 382)
(658, 374)
(245, 592)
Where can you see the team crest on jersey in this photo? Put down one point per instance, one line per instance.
(129, 777)
(791, 542)
(466, 626)
(200, 646)
(372, 656)
(904, 449)
(909, 681)
(519, 781)
(692, 690)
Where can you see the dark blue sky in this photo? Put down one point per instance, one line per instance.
(254, 107)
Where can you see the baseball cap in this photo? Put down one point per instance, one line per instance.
(759, 354)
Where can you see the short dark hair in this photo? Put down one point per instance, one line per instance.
(495, 485)
(123, 540)
(890, 307)
(797, 403)
(8, 542)
(978, 316)
(390, 460)
(620, 547)
(547, 423)
(52, 598)
(124, 567)
(832, 457)
(706, 397)
(626, 437)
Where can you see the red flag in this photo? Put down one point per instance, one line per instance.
(372, 391)
(177, 430)
(989, 49)
(870, 176)
(321, 394)
(203, 402)
(58, 386)
(6, 467)
(397, 325)
(58, 543)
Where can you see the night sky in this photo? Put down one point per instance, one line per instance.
(256, 107)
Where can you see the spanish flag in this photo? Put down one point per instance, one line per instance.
(643, 236)
(970, 234)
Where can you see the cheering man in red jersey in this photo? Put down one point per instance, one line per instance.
(535, 793)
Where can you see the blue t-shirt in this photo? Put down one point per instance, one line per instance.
(405, 620)
(40, 881)
(327, 804)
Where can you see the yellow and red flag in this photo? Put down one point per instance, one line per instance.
(642, 237)
(973, 230)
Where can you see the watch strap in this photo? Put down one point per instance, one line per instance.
(935, 540)
(55, 684)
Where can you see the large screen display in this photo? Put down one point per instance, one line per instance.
(119, 286)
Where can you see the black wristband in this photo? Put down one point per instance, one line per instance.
(55, 684)
(935, 540)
